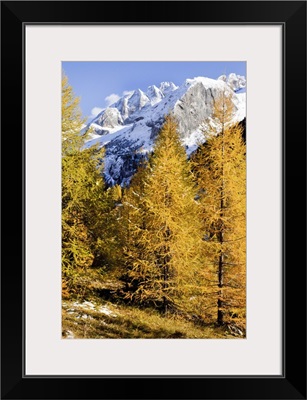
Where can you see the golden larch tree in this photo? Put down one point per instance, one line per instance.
(220, 168)
(166, 229)
(83, 200)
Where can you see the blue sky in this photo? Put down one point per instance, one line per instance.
(99, 84)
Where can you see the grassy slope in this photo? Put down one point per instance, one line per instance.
(99, 319)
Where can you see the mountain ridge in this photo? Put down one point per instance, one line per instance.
(128, 128)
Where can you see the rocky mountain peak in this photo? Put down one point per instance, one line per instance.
(154, 94)
(167, 87)
(128, 128)
(235, 82)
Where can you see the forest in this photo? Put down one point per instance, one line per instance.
(162, 257)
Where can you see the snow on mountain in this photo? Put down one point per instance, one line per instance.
(240, 103)
(236, 82)
(154, 94)
(128, 128)
(167, 87)
(137, 101)
(110, 118)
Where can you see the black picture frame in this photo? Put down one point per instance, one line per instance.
(292, 16)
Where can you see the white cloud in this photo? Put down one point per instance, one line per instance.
(94, 112)
(112, 98)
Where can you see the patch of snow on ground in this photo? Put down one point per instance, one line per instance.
(69, 335)
(89, 306)
(84, 305)
(105, 310)
(84, 316)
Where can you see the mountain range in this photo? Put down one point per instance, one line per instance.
(128, 128)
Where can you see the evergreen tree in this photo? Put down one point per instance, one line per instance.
(132, 217)
(164, 226)
(220, 166)
(83, 199)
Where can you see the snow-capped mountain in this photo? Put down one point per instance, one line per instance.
(236, 82)
(128, 128)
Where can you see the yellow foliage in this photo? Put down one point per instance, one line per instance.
(84, 202)
(163, 249)
(220, 168)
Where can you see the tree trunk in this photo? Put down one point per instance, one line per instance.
(164, 288)
(166, 260)
(220, 313)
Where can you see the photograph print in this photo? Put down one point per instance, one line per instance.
(153, 200)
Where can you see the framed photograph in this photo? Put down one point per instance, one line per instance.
(159, 151)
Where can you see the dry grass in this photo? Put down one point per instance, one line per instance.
(99, 319)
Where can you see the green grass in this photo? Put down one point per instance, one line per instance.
(100, 319)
